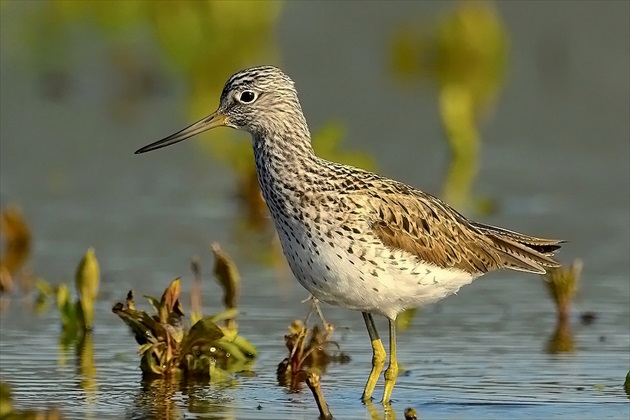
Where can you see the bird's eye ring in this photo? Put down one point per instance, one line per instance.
(247, 97)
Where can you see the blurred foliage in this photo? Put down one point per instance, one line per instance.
(626, 384)
(227, 276)
(8, 411)
(403, 321)
(87, 277)
(77, 316)
(466, 56)
(327, 142)
(202, 41)
(562, 284)
(16, 247)
(195, 292)
(167, 348)
(44, 291)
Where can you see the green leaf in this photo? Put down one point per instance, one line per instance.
(67, 310)
(143, 326)
(232, 349)
(170, 310)
(194, 317)
(154, 302)
(171, 294)
(227, 275)
(87, 278)
(245, 346)
(217, 374)
(44, 288)
(145, 347)
(221, 316)
(149, 364)
(203, 332)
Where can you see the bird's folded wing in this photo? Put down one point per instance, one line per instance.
(429, 229)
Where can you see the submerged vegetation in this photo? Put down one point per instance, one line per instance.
(210, 349)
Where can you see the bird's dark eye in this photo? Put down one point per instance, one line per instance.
(247, 97)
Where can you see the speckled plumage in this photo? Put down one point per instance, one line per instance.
(353, 238)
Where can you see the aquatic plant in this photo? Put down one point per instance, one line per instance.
(308, 357)
(562, 284)
(411, 413)
(79, 315)
(195, 291)
(308, 348)
(17, 246)
(312, 378)
(207, 350)
(76, 316)
(87, 278)
(227, 276)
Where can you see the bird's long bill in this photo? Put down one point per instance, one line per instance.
(216, 119)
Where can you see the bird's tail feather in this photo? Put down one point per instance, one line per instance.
(522, 252)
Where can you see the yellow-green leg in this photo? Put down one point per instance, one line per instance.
(378, 357)
(392, 370)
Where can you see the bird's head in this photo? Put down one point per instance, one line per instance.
(258, 100)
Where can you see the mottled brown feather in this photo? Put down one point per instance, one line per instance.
(428, 228)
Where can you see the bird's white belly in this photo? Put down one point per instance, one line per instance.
(366, 276)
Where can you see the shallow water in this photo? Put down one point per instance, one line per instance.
(555, 160)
